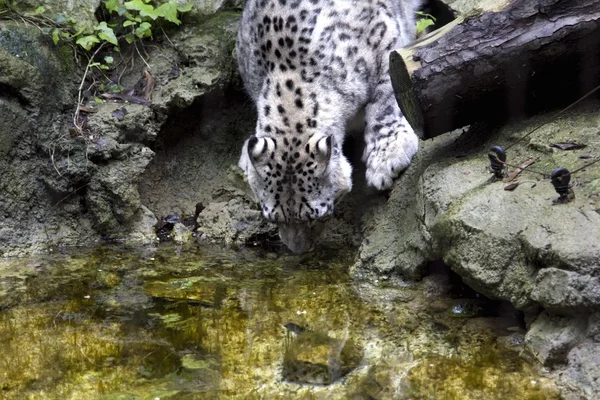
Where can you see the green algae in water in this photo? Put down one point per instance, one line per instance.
(209, 323)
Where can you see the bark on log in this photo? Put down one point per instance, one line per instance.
(504, 60)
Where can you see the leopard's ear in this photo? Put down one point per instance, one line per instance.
(259, 148)
(244, 162)
(324, 147)
(320, 150)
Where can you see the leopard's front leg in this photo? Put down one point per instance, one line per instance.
(390, 141)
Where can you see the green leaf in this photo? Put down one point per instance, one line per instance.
(423, 24)
(87, 42)
(39, 10)
(132, 17)
(130, 38)
(98, 100)
(111, 5)
(108, 59)
(185, 7)
(169, 12)
(144, 30)
(128, 23)
(106, 33)
(79, 32)
(55, 36)
(146, 10)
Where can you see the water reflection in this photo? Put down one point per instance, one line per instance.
(208, 323)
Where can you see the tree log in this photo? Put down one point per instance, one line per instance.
(504, 60)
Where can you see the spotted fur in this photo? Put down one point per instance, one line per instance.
(309, 66)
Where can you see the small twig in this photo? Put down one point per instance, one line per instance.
(79, 91)
(167, 36)
(142, 57)
(52, 159)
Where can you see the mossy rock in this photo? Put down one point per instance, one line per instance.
(33, 70)
(81, 11)
(313, 357)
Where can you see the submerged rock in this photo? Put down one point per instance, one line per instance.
(468, 308)
(313, 357)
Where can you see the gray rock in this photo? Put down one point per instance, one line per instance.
(206, 51)
(593, 330)
(233, 221)
(500, 242)
(112, 193)
(581, 378)
(82, 11)
(210, 7)
(40, 171)
(137, 125)
(566, 292)
(550, 337)
(511, 245)
(393, 242)
(142, 225)
(36, 72)
(180, 233)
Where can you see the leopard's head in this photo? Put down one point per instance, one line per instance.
(297, 183)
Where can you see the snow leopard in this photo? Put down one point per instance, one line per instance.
(309, 67)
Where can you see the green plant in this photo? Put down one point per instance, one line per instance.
(424, 22)
(128, 20)
(131, 20)
(124, 22)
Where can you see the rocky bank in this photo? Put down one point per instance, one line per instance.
(516, 244)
